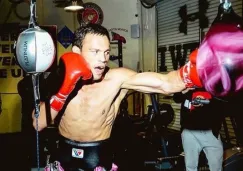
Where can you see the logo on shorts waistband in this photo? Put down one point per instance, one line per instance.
(77, 153)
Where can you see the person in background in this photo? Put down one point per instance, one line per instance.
(201, 119)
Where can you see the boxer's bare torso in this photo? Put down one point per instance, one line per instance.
(90, 114)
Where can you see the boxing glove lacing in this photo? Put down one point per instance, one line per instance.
(186, 76)
(62, 99)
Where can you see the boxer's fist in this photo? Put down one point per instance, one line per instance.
(189, 73)
(75, 68)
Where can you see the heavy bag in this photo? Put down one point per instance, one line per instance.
(35, 50)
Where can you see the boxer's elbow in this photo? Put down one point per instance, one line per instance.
(40, 125)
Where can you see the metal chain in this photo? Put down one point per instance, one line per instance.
(226, 5)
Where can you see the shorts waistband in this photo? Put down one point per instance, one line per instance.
(82, 144)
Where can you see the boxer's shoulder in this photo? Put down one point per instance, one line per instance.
(120, 73)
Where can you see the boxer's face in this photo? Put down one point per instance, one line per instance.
(96, 51)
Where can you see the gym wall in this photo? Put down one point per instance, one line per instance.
(169, 36)
(118, 17)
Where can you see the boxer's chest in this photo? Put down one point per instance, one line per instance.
(98, 95)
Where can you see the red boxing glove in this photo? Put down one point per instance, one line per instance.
(75, 68)
(188, 72)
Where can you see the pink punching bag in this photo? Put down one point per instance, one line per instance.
(220, 57)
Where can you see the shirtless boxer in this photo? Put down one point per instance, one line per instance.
(89, 105)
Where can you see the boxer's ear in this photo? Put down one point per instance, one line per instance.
(76, 49)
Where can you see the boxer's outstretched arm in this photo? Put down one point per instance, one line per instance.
(151, 82)
(174, 81)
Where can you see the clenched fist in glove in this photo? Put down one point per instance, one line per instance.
(75, 68)
(189, 73)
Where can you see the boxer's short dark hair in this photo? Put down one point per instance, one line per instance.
(90, 28)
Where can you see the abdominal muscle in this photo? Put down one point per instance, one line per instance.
(90, 114)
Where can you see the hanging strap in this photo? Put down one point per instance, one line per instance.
(35, 81)
(32, 21)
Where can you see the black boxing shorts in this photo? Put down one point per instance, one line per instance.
(84, 156)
